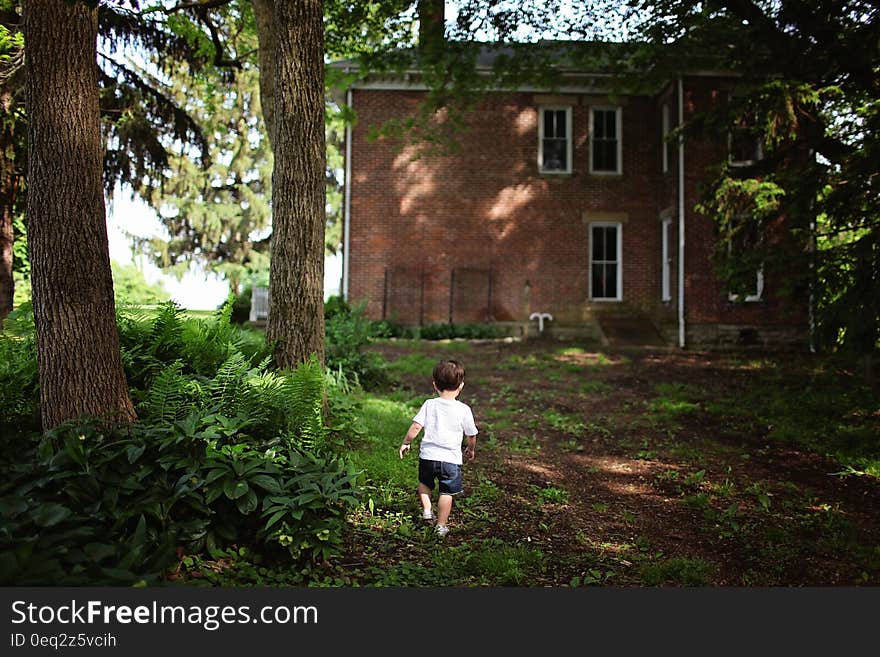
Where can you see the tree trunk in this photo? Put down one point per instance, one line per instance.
(296, 282)
(264, 15)
(79, 362)
(8, 192)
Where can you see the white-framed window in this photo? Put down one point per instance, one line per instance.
(741, 240)
(554, 139)
(666, 260)
(606, 140)
(606, 261)
(665, 144)
(744, 141)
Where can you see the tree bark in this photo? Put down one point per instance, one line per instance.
(7, 282)
(264, 15)
(78, 357)
(296, 283)
(8, 193)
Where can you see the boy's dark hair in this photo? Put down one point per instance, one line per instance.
(448, 375)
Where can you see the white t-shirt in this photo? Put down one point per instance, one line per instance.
(445, 422)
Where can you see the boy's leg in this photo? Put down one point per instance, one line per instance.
(444, 508)
(425, 498)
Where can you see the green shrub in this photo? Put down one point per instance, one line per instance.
(445, 331)
(680, 571)
(226, 452)
(390, 329)
(347, 332)
(241, 306)
(19, 393)
(90, 503)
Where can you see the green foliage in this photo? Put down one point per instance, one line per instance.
(818, 128)
(550, 495)
(565, 423)
(21, 264)
(152, 341)
(96, 504)
(347, 332)
(681, 571)
(215, 209)
(19, 396)
(131, 286)
(445, 331)
(226, 452)
(501, 564)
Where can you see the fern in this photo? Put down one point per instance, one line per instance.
(226, 388)
(212, 342)
(304, 387)
(169, 398)
(265, 401)
(165, 338)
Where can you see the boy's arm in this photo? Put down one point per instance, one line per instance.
(471, 449)
(414, 429)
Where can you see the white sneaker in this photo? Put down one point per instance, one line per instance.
(441, 530)
(428, 516)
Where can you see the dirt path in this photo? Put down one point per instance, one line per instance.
(646, 467)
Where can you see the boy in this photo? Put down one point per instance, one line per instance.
(445, 420)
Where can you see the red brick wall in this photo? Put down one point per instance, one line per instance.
(706, 300)
(487, 207)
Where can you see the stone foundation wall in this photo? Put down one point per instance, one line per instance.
(741, 336)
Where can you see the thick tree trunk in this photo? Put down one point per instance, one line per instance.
(7, 282)
(8, 189)
(296, 284)
(264, 15)
(78, 357)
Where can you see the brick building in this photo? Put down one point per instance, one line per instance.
(567, 202)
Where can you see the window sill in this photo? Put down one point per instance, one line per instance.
(607, 174)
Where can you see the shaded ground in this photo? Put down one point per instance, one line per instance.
(650, 466)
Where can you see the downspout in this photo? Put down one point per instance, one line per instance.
(346, 209)
(813, 249)
(681, 332)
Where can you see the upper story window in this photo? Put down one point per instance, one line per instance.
(554, 135)
(665, 129)
(605, 138)
(744, 141)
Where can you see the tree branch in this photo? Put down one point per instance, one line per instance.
(208, 4)
(219, 59)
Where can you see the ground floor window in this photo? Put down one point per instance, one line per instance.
(606, 261)
(666, 260)
(742, 242)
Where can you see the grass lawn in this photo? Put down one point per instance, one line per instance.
(636, 468)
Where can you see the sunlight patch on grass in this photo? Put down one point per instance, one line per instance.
(590, 359)
(517, 361)
(387, 478)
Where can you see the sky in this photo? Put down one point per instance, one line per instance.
(196, 290)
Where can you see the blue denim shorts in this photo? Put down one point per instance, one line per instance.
(448, 474)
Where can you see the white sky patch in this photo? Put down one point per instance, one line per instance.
(196, 290)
